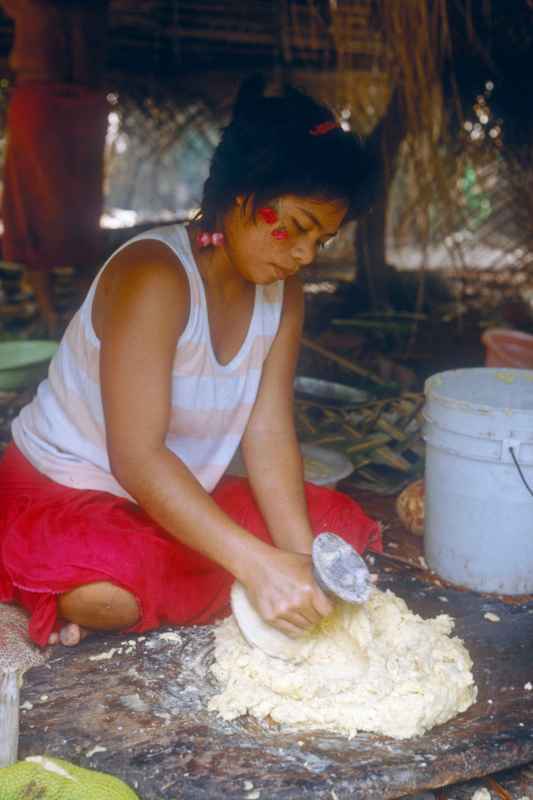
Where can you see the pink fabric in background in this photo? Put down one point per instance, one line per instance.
(53, 174)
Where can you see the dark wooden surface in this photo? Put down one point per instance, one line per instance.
(147, 707)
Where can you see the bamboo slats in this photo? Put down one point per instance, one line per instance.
(382, 438)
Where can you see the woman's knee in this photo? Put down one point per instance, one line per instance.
(100, 606)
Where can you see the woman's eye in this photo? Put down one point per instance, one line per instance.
(299, 228)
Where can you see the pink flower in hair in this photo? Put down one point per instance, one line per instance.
(203, 239)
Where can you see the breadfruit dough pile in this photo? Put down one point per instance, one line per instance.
(418, 675)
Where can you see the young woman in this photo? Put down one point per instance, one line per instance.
(114, 511)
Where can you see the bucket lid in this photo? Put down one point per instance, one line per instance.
(484, 402)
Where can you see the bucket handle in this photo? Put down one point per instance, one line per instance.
(517, 465)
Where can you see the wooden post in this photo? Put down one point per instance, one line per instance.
(17, 654)
(372, 268)
(9, 716)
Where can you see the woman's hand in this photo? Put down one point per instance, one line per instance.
(285, 593)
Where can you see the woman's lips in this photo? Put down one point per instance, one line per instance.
(281, 273)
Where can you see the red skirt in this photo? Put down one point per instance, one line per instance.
(54, 539)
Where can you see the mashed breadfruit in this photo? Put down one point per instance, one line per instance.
(418, 675)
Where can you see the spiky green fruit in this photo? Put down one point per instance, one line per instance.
(50, 778)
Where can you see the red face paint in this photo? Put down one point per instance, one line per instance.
(280, 233)
(268, 215)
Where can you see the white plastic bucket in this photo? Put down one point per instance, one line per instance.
(478, 511)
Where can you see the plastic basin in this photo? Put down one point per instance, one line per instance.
(322, 466)
(508, 348)
(23, 363)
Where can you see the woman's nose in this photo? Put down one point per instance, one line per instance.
(304, 252)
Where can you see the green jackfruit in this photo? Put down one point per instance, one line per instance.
(50, 778)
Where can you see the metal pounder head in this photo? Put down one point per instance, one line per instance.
(340, 570)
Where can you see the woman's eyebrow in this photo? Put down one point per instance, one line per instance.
(314, 220)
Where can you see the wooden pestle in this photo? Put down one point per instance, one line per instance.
(17, 654)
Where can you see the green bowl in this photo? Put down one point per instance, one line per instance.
(23, 363)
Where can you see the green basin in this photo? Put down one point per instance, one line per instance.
(24, 363)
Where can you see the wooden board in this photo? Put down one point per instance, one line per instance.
(145, 710)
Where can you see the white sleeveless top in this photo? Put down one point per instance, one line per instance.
(62, 431)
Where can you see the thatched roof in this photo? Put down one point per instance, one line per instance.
(162, 35)
(235, 32)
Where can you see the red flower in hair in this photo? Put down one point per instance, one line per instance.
(323, 127)
(268, 215)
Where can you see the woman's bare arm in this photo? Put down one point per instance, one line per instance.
(273, 460)
(270, 447)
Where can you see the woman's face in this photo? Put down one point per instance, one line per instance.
(274, 246)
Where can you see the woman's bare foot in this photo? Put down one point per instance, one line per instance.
(99, 606)
(69, 635)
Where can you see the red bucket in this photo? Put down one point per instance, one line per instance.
(507, 348)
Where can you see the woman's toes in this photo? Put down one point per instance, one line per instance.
(70, 634)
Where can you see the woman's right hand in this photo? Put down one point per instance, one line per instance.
(285, 593)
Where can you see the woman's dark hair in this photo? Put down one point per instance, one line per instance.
(272, 148)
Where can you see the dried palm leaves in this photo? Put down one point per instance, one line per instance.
(381, 438)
